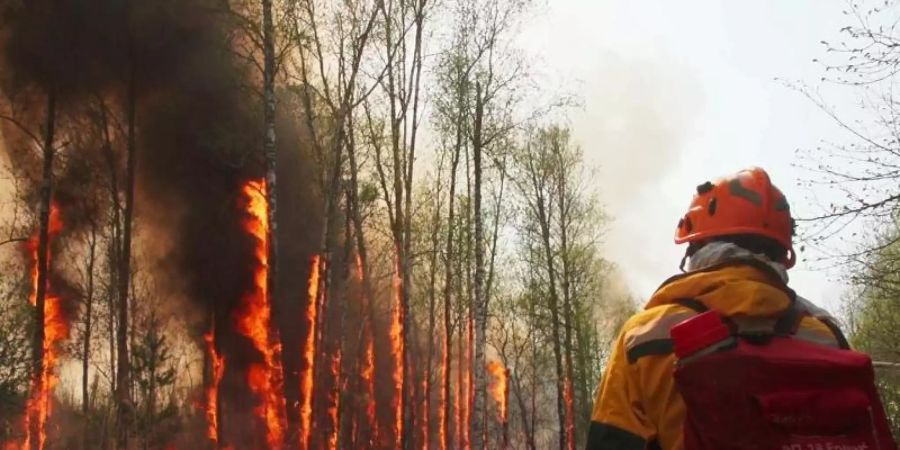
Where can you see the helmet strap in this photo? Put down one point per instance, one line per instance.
(684, 261)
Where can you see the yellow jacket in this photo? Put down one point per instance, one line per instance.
(638, 406)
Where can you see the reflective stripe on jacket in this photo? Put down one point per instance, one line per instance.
(637, 405)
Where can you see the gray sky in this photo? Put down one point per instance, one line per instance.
(676, 93)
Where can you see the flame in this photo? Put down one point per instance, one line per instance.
(368, 375)
(499, 388)
(397, 350)
(212, 392)
(570, 425)
(309, 352)
(254, 321)
(54, 226)
(56, 328)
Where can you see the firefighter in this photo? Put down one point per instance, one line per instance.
(738, 232)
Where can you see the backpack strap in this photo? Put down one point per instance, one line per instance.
(789, 322)
(786, 324)
(838, 334)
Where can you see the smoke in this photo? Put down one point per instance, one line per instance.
(633, 129)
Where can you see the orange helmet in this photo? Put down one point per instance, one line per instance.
(741, 204)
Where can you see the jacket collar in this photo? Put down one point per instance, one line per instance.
(740, 286)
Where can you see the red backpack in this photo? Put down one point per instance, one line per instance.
(770, 391)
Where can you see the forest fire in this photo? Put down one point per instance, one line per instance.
(500, 392)
(212, 391)
(55, 329)
(307, 377)
(397, 351)
(254, 321)
(221, 167)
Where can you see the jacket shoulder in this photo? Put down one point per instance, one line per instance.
(647, 332)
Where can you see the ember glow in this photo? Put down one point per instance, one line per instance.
(254, 321)
(397, 351)
(334, 399)
(570, 423)
(212, 392)
(307, 377)
(56, 328)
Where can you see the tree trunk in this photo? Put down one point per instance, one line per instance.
(367, 334)
(43, 268)
(114, 250)
(470, 316)
(541, 206)
(565, 254)
(327, 244)
(432, 304)
(523, 412)
(479, 420)
(123, 376)
(448, 286)
(88, 333)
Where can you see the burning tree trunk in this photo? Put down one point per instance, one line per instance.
(399, 352)
(215, 372)
(46, 336)
(255, 322)
(269, 147)
(309, 352)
